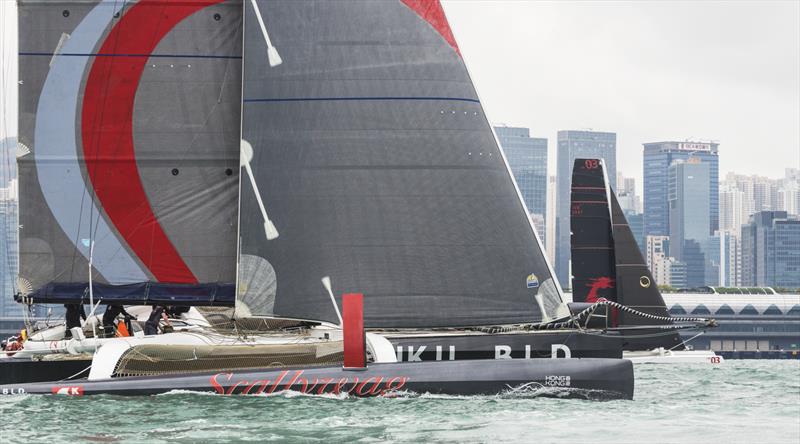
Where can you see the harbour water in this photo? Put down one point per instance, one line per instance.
(738, 401)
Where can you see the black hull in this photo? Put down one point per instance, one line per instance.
(571, 378)
(17, 371)
(457, 347)
(529, 345)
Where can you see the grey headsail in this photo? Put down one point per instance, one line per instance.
(607, 262)
(371, 161)
(131, 112)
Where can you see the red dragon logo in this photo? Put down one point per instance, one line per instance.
(601, 283)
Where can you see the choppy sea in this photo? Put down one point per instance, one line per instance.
(738, 401)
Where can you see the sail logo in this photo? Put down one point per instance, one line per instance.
(225, 384)
(13, 391)
(557, 381)
(75, 390)
(416, 355)
(532, 281)
(596, 284)
(504, 351)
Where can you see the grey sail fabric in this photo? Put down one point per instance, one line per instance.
(131, 112)
(373, 163)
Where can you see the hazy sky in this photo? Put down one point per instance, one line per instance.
(727, 71)
(649, 70)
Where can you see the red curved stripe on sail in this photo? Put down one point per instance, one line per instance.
(431, 11)
(107, 129)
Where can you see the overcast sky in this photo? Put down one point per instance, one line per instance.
(650, 70)
(727, 71)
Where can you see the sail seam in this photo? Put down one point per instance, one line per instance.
(333, 99)
(89, 54)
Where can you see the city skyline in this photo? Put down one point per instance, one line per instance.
(703, 217)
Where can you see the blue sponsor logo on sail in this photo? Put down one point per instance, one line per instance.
(533, 281)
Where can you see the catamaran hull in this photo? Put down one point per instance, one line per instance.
(518, 345)
(16, 371)
(422, 346)
(565, 378)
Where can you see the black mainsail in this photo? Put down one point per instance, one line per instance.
(607, 262)
(592, 243)
(374, 163)
(130, 111)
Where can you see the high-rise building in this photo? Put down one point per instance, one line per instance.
(629, 201)
(765, 193)
(690, 241)
(572, 145)
(678, 273)
(656, 254)
(636, 224)
(661, 270)
(8, 253)
(527, 157)
(730, 259)
(790, 191)
(771, 250)
(731, 208)
(626, 184)
(550, 222)
(789, 198)
(759, 193)
(538, 223)
(657, 159)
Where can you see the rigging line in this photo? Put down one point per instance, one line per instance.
(687, 341)
(631, 336)
(76, 374)
(574, 321)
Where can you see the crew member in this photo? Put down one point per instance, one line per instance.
(75, 313)
(112, 311)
